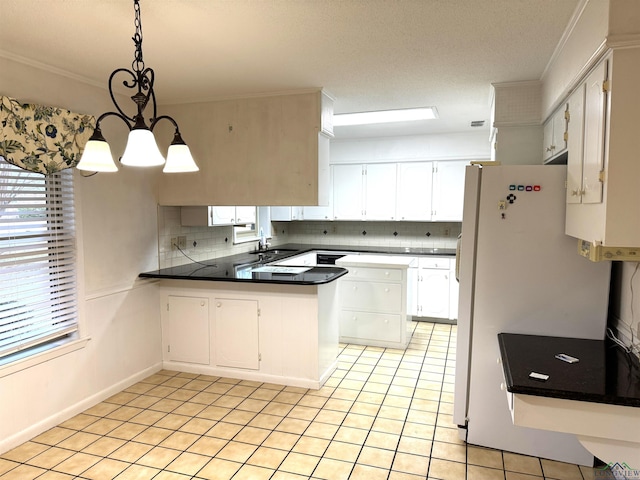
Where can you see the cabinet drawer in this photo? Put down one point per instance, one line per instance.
(391, 274)
(435, 262)
(371, 326)
(371, 296)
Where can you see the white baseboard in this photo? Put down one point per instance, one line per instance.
(252, 375)
(22, 436)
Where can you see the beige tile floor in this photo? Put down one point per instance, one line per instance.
(384, 414)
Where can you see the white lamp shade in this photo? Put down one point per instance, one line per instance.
(97, 157)
(141, 150)
(179, 159)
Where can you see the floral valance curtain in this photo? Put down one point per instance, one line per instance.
(40, 138)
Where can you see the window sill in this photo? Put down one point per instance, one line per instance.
(23, 360)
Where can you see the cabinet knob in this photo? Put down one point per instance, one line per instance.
(218, 304)
(574, 193)
(202, 303)
(386, 273)
(386, 320)
(355, 319)
(386, 290)
(355, 288)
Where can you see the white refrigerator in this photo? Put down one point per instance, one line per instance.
(518, 273)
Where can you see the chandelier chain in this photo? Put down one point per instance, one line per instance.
(138, 61)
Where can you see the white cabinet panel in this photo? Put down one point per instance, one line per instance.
(348, 192)
(448, 191)
(371, 326)
(575, 145)
(245, 215)
(188, 329)
(553, 134)
(223, 215)
(594, 124)
(414, 191)
(434, 293)
(372, 296)
(236, 333)
(380, 191)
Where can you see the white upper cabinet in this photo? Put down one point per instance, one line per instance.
(364, 192)
(448, 191)
(414, 190)
(215, 216)
(555, 135)
(605, 209)
(431, 191)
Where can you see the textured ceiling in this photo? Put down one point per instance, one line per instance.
(369, 54)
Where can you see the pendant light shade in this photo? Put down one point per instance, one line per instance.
(96, 156)
(141, 150)
(179, 157)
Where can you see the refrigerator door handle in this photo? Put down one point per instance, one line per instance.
(458, 243)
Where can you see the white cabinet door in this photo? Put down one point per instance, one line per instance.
(575, 145)
(594, 125)
(188, 329)
(380, 191)
(434, 293)
(223, 215)
(236, 333)
(348, 192)
(245, 215)
(414, 191)
(554, 140)
(448, 191)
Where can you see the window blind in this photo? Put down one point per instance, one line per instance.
(37, 258)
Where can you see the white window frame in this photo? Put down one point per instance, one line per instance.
(73, 337)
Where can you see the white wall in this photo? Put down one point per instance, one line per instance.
(117, 239)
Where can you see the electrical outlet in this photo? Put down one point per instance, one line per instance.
(446, 232)
(174, 243)
(182, 242)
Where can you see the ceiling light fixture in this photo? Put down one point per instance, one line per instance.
(141, 149)
(385, 116)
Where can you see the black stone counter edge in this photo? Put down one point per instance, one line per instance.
(281, 279)
(561, 394)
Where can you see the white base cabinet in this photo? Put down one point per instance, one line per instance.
(285, 334)
(187, 325)
(236, 333)
(373, 300)
(436, 288)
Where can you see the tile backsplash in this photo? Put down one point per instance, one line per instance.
(216, 242)
(388, 234)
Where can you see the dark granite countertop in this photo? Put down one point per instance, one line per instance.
(240, 268)
(604, 373)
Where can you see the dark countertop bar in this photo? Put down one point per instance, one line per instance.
(604, 373)
(238, 268)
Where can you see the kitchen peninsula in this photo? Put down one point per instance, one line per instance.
(228, 317)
